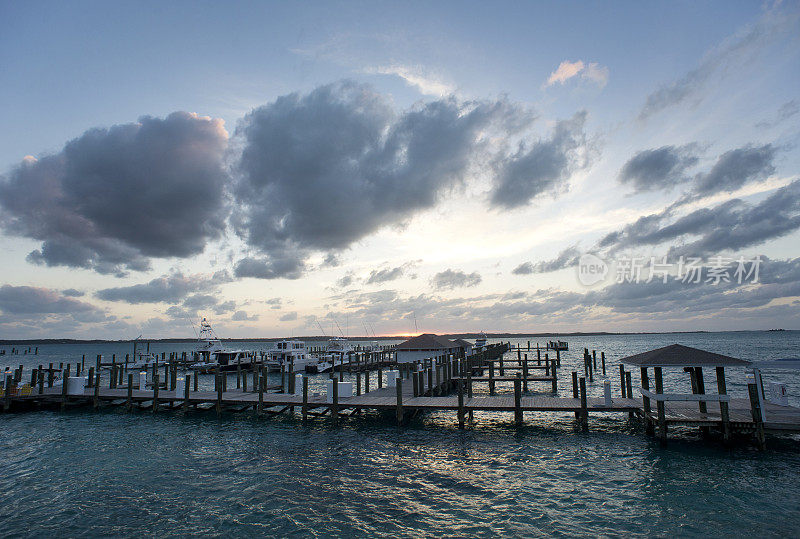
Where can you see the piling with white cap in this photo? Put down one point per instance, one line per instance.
(143, 380)
(298, 384)
(607, 392)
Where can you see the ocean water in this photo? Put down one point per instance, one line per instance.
(113, 473)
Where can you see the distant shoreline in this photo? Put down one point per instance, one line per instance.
(5, 342)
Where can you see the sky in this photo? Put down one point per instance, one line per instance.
(371, 168)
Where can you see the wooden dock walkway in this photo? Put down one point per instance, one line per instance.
(441, 385)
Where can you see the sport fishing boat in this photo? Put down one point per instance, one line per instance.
(561, 346)
(293, 355)
(213, 356)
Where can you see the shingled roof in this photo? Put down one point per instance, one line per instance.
(426, 341)
(462, 343)
(677, 355)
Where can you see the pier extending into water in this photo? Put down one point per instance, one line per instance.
(441, 384)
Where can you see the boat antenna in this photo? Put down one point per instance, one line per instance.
(416, 329)
(338, 326)
(193, 328)
(320, 326)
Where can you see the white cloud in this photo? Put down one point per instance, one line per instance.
(592, 72)
(418, 77)
(566, 70)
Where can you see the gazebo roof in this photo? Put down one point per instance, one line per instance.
(426, 341)
(677, 355)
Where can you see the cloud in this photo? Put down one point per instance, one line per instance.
(389, 274)
(786, 111)
(114, 198)
(735, 168)
(281, 265)
(733, 53)
(30, 300)
(289, 317)
(449, 279)
(73, 293)
(543, 166)
(167, 289)
(566, 258)
(241, 316)
(659, 168)
(417, 77)
(729, 226)
(566, 70)
(526, 268)
(593, 72)
(323, 170)
(345, 280)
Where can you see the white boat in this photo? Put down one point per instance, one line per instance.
(480, 342)
(293, 355)
(213, 356)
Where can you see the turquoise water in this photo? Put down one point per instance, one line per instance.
(111, 473)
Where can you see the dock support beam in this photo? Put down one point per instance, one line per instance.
(662, 420)
(399, 384)
(518, 401)
(723, 406)
(648, 424)
(584, 407)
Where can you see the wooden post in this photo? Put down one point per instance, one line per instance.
(622, 380)
(723, 406)
(305, 398)
(64, 380)
(335, 406)
(755, 409)
(629, 389)
(662, 421)
(130, 391)
(155, 392)
(518, 401)
(525, 373)
(41, 380)
(701, 388)
(648, 424)
(399, 388)
(491, 378)
(358, 382)
(603, 360)
(555, 377)
(575, 392)
(7, 393)
(380, 378)
(186, 382)
(366, 382)
(96, 390)
(262, 382)
(501, 365)
(220, 380)
(584, 406)
(460, 403)
(194, 383)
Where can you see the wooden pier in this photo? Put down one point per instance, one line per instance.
(442, 384)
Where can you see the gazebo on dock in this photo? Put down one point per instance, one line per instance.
(692, 360)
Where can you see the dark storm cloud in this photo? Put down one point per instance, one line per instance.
(449, 279)
(659, 168)
(113, 198)
(29, 300)
(167, 289)
(731, 225)
(736, 168)
(541, 167)
(279, 265)
(323, 170)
